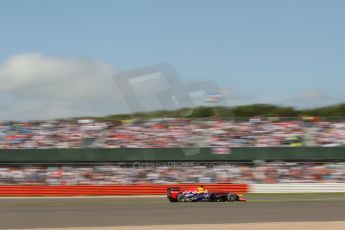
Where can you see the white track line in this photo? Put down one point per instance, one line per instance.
(329, 225)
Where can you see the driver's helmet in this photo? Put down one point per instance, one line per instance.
(201, 189)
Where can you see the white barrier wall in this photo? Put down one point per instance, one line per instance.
(297, 187)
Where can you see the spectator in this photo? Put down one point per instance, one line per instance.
(229, 173)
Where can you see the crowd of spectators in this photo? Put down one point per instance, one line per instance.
(165, 133)
(330, 134)
(229, 173)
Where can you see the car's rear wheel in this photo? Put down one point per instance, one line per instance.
(231, 197)
(172, 199)
(181, 198)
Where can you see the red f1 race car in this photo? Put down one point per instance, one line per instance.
(193, 195)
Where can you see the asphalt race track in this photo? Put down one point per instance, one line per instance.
(116, 211)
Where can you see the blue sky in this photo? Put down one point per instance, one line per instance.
(285, 52)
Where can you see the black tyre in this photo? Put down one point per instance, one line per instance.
(181, 198)
(231, 197)
(172, 199)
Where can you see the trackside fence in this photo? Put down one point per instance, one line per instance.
(108, 190)
(297, 188)
(150, 189)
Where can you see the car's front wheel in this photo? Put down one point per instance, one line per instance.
(231, 197)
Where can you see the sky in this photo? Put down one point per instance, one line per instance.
(57, 57)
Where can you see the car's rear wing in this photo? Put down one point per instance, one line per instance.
(173, 189)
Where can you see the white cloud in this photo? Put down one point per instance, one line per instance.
(312, 95)
(34, 86)
(311, 98)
